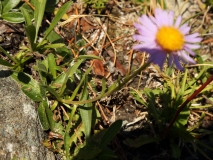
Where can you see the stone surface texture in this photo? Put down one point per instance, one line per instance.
(20, 131)
(185, 8)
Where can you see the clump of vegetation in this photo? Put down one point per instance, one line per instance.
(68, 96)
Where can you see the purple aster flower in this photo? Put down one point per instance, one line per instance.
(162, 35)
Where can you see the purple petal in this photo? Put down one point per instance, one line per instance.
(177, 63)
(186, 58)
(148, 23)
(192, 46)
(158, 58)
(189, 51)
(184, 29)
(192, 38)
(143, 38)
(178, 21)
(145, 46)
(170, 18)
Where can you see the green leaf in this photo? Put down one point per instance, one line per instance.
(31, 34)
(26, 16)
(52, 91)
(52, 65)
(43, 117)
(13, 17)
(38, 15)
(1, 7)
(140, 141)
(9, 4)
(29, 86)
(57, 17)
(67, 139)
(110, 133)
(53, 37)
(79, 85)
(5, 63)
(70, 72)
(54, 46)
(183, 83)
(88, 57)
(57, 83)
(55, 127)
(33, 92)
(176, 152)
(86, 111)
(42, 67)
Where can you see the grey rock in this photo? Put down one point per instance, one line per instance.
(20, 131)
(184, 8)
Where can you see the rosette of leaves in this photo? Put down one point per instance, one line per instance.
(9, 12)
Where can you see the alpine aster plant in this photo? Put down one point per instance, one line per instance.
(162, 35)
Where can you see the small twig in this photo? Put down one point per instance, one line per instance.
(65, 113)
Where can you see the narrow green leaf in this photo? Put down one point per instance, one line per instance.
(49, 115)
(86, 111)
(54, 46)
(110, 133)
(176, 152)
(42, 67)
(52, 65)
(88, 57)
(9, 4)
(26, 16)
(80, 84)
(13, 17)
(55, 127)
(52, 91)
(38, 15)
(69, 73)
(53, 37)
(42, 117)
(5, 63)
(31, 34)
(141, 140)
(57, 17)
(67, 143)
(183, 83)
(57, 83)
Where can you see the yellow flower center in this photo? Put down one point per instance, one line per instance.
(170, 39)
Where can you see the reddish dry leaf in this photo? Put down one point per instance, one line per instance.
(98, 67)
(85, 26)
(119, 67)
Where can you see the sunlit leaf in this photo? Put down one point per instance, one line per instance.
(86, 111)
(13, 17)
(38, 15)
(43, 117)
(9, 4)
(26, 16)
(57, 17)
(29, 86)
(31, 34)
(52, 65)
